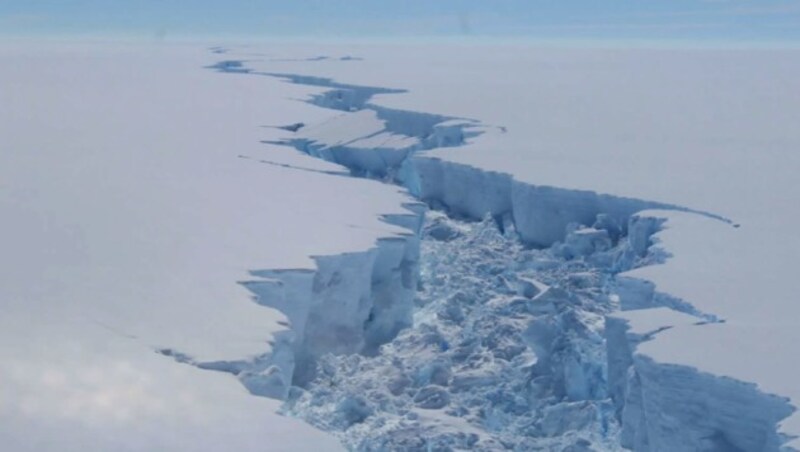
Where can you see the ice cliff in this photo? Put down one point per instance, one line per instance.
(502, 320)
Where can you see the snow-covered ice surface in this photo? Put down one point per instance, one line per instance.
(144, 210)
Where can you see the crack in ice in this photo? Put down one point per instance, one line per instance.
(509, 345)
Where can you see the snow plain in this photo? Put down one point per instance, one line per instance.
(112, 155)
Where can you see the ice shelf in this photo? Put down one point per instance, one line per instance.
(508, 349)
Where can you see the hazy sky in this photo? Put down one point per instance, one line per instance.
(740, 20)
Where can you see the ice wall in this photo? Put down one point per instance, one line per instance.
(351, 303)
(685, 409)
(540, 213)
(672, 407)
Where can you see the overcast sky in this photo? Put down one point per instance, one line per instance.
(701, 20)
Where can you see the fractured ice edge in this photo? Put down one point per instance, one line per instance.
(513, 332)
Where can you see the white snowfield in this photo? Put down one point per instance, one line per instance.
(136, 196)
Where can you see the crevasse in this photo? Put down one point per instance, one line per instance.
(509, 333)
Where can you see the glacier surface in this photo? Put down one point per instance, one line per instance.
(542, 304)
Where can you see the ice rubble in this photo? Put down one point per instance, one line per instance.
(506, 352)
(525, 349)
(524, 371)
